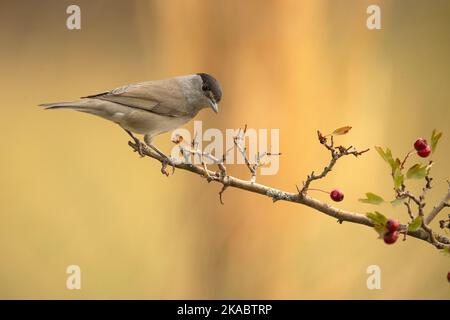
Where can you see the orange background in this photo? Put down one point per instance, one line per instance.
(72, 192)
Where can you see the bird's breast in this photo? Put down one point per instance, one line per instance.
(144, 122)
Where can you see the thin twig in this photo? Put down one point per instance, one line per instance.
(439, 207)
(240, 145)
(402, 165)
(224, 187)
(336, 154)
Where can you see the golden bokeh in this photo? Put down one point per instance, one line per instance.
(73, 192)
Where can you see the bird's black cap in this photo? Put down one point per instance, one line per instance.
(213, 85)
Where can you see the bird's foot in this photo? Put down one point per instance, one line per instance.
(165, 162)
(140, 147)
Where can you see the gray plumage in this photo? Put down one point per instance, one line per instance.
(151, 107)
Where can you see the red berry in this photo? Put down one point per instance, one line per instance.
(337, 195)
(391, 237)
(392, 225)
(448, 277)
(424, 152)
(420, 144)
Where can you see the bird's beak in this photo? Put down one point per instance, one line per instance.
(214, 105)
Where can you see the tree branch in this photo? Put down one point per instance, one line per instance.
(228, 181)
(438, 208)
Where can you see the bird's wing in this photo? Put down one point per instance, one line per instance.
(163, 97)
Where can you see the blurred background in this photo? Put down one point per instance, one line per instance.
(73, 192)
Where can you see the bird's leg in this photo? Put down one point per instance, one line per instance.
(137, 142)
(166, 159)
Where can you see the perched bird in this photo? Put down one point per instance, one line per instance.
(152, 107)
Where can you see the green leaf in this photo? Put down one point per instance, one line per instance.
(386, 155)
(341, 131)
(446, 251)
(377, 218)
(398, 177)
(415, 224)
(398, 201)
(434, 139)
(397, 164)
(372, 198)
(381, 230)
(379, 222)
(418, 171)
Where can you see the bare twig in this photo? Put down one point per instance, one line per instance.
(408, 207)
(336, 153)
(192, 150)
(438, 208)
(224, 187)
(402, 165)
(240, 145)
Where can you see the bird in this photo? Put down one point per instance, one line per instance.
(151, 107)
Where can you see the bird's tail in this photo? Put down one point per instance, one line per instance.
(96, 107)
(76, 105)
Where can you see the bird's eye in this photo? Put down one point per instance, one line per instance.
(205, 87)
